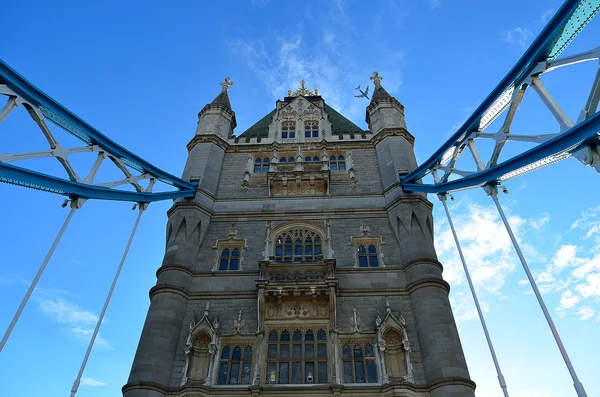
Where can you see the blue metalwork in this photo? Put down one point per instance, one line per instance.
(35, 180)
(579, 136)
(65, 119)
(568, 22)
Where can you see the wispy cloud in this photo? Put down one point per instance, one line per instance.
(518, 35)
(85, 381)
(78, 322)
(434, 3)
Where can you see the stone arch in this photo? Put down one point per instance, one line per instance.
(200, 356)
(299, 230)
(395, 355)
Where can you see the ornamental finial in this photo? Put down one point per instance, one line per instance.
(303, 91)
(376, 79)
(226, 84)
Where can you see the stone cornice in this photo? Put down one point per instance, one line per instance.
(423, 261)
(169, 288)
(450, 381)
(144, 385)
(327, 145)
(407, 199)
(175, 268)
(428, 282)
(385, 132)
(207, 138)
(188, 204)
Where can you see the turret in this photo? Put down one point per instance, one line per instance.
(216, 122)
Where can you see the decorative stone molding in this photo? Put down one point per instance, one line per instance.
(203, 338)
(231, 243)
(394, 347)
(365, 239)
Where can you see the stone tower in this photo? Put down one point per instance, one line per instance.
(300, 267)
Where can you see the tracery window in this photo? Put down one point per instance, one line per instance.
(235, 367)
(297, 358)
(367, 257)
(230, 259)
(311, 129)
(309, 159)
(359, 363)
(288, 129)
(261, 166)
(298, 245)
(288, 160)
(337, 163)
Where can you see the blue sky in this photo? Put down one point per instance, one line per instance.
(140, 72)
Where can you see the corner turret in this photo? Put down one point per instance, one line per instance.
(217, 118)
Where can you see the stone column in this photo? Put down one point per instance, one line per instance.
(443, 358)
(153, 363)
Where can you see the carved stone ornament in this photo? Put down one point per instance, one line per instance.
(238, 324)
(202, 336)
(354, 322)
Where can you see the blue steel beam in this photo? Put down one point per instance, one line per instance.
(570, 19)
(64, 118)
(581, 135)
(35, 180)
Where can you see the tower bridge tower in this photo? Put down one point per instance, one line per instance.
(300, 267)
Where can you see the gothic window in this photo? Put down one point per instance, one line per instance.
(359, 363)
(288, 129)
(288, 160)
(298, 245)
(337, 163)
(230, 259)
(297, 358)
(309, 159)
(367, 257)
(311, 129)
(261, 166)
(235, 365)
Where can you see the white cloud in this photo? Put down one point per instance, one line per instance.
(518, 35)
(85, 381)
(486, 246)
(591, 286)
(539, 223)
(586, 312)
(568, 300)
(78, 322)
(546, 15)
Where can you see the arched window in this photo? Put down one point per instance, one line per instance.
(359, 363)
(261, 166)
(308, 159)
(230, 259)
(234, 368)
(288, 129)
(311, 129)
(296, 359)
(298, 245)
(367, 257)
(337, 163)
(291, 159)
(316, 158)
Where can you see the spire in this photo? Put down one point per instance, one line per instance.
(378, 92)
(223, 97)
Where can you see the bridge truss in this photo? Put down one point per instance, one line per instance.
(440, 174)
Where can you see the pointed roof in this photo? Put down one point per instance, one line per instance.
(223, 97)
(378, 92)
(339, 125)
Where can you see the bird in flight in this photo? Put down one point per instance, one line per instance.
(363, 94)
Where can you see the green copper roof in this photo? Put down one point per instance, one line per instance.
(339, 125)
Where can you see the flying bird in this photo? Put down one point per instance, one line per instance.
(363, 94)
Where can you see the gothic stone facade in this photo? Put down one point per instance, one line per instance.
(300, 267)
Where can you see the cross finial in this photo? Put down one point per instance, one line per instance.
(302, 83)
(376, 79)
(226, 84)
